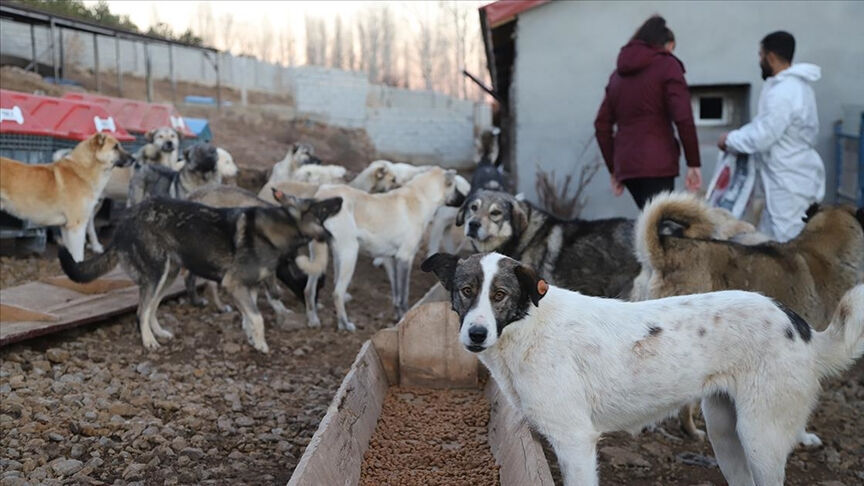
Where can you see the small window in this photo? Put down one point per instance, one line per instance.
(710, 108)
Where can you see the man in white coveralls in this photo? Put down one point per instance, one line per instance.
(782, 137)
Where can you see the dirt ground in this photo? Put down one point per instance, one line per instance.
(91, 406)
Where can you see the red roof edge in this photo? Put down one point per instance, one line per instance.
(504, 11)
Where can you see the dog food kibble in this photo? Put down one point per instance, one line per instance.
(431, 437)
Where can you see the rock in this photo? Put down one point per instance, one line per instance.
(832, 483)
(76, 451)
(695, 459)
(619, 457)
(13, 481)
(193, 453)
(183, 461)
(144, 368)
(134, 471)
(41, 365)
(56, 437)
(244, 421)
(66, 467)
(57, 355)
(122, 409)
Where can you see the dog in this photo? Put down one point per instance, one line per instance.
(320, 174)
(578, 366)
(199, 170)
(237, 247)
(387, 226)
(225, 164)
(810, 273)
(384, 175)
(592, 257)
(162, 147)
(298, 155)
(62, 193)
(288, 272)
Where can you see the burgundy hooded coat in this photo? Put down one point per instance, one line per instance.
(646, 94)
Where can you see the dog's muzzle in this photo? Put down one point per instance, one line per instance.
(168, 146)
(476, 336)
(473, 229)
(125, 160)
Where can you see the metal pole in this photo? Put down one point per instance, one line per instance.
(171, 70)
(148, 72)
(54, 50)
(62, 53)
(96, 62)
(33, 47)
(245, 77)
(119, 69)
(218, 83)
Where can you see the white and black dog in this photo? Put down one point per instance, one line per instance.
(579, 366)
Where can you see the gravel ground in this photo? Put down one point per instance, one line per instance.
(90, 406)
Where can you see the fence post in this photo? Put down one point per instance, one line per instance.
(54, 50)
(119, 69)
(171, 71)
(218, 83)
(148, 72)
(96, 62)
(33, 47)
(62, 54)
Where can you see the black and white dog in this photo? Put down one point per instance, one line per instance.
(579, 366)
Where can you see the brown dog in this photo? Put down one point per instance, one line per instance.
(65, 192)
(809, 274)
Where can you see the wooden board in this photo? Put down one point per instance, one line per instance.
(71, 308)
(430, 353)
(517, 452)
(335, 453)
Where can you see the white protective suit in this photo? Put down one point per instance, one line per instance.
(782, 137)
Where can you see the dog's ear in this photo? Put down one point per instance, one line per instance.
(449, 177)
(99, 140)
(279, 195)
(532, 285)
(295, 147)
(325, 208)
(380, 172)
(670, 227)
(444, 267)
(811, 211)
(518, 217)
(150, 136)
(187, 154)
(460, 215)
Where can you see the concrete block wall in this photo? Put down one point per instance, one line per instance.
(420, 127)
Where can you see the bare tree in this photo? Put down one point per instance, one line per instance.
(337, 60)
(557, 199)
(265, 41)
(387, 26)
(226, 30)
(286, 48)
(205, 25)
(425, 46)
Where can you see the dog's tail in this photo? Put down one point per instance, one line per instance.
(670, 214)
(316, 263)
(88, 270)
(843, 341)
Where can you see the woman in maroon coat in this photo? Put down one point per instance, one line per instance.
(646, 94)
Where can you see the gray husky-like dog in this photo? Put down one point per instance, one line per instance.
(153, 180)
(237, 247)
(592, 257)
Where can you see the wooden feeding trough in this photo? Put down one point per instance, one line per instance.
(421, 351)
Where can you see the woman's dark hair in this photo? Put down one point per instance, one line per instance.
(654, 32)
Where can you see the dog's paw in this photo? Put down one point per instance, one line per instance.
(698, 435)
(348, 326)
(226, 309)
(97, 248)
(262, 346)
(313, 322)
(348, 297)
(200, 302)
(164, 333)
(150, 343)
(808, 440)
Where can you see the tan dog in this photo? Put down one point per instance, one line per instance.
(63, 193)
(809, 274)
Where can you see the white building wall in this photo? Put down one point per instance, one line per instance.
(565, 52)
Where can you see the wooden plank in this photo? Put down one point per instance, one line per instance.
(98, 286)
(518, 454)
(11, 313)
(71, 308)
(429, 350)
(335, 453)
(436, 293)
(386, 342)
